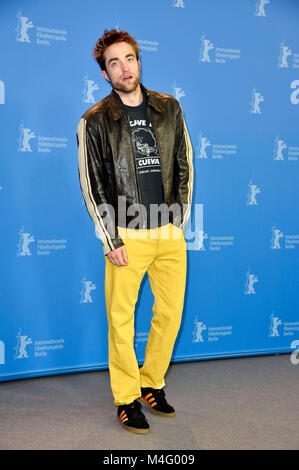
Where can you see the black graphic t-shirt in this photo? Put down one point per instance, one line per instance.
(147, 161)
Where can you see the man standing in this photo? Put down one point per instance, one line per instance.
(135, 156)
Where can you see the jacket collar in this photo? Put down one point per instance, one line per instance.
(117, 108)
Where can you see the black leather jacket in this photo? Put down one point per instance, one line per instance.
(107, 167)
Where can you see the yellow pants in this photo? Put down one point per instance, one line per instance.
(160, 252)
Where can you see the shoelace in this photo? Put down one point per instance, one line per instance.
(160, 394)
(133, 410)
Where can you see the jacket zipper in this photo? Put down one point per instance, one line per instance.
(162, 172)
(134, 157)
(160, 158)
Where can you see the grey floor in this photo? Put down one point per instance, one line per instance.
(239, 403)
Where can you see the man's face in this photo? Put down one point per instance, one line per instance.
(123, 69)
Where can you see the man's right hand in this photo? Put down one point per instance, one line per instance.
(118, 256)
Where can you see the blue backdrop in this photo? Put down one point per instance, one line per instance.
(234, 67)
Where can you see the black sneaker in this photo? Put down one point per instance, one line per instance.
(155, 399)
(132, 418)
